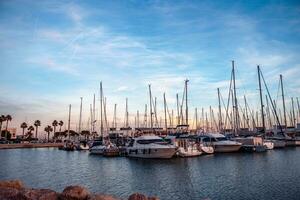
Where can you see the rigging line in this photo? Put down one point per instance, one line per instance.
(273, 107)
(228, 101)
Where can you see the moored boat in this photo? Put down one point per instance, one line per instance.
(223, 145)
(150, 146)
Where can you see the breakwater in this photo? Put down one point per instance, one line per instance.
(16, 190)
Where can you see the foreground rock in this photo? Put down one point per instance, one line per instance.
(16, 190)
(138, 196)
(75, 193)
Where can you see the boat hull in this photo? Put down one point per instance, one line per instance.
(269, 145)
(188, 152)
(227, 148)
(97, 150)
(207, 149)
(163, 153)
(254, 148)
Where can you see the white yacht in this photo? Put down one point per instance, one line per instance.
(222, 144)
(150, 146)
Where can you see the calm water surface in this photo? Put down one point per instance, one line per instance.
(271, 175)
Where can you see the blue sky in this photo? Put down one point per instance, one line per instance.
(54, 52)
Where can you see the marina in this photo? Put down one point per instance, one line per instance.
(149, 100)
(215, 176)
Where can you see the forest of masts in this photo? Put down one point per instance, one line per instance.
(232, 114)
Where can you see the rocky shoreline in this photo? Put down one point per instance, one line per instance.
(16, 190)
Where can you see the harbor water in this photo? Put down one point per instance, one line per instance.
(274, 174)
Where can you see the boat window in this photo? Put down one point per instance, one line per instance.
(221, 138)
(131, 143)
(150, 141)
(206, 139)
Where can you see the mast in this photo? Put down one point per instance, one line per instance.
(145, 117)
(177, 105)
(138, 118)
(80, 116)
(293, 113)
(246, 110)
(126, 114)
(268, 112)
(196, 113)
(186, 103)
(298, 106)
(150, 95)
(283, 102)
(236, 111)
(101, 110)
(115, 117)
(94, 115)
(69, 121)
(261, 100)
(220, 111)
(165, 110)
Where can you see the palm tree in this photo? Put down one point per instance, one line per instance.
(60, 123)
(7, 118)
(37, 123)
(48, 129)
(30, 129)
(2, 119)
(24, 126)
(54, 124)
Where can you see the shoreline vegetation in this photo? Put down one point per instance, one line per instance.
(16, 190)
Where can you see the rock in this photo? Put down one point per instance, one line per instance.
(137, 196)
(75, 193)
(103, 197)
(153, 198)
(17, 184)
(9, 193)
(39, 194)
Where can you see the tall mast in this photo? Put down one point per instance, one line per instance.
(177, 105)
(196, 113)
(246, 108)
(202, 118)
(101, 110)
(261, 100)
(145, 117)
(69, 121)
(236, 111)
(150, 95)
(298, 106)
(80, 116)
(91, 117)
(268, 112)
(138, 118)
(293, 113)
(165, 110)
(220, 111)
(115, 117)
(126, 114)
(283, 102)
(94, 115)
(186, 104)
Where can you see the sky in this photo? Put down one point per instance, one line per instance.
(54, 52)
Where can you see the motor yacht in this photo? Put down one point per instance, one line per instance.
(150, 146)
(223, 145)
